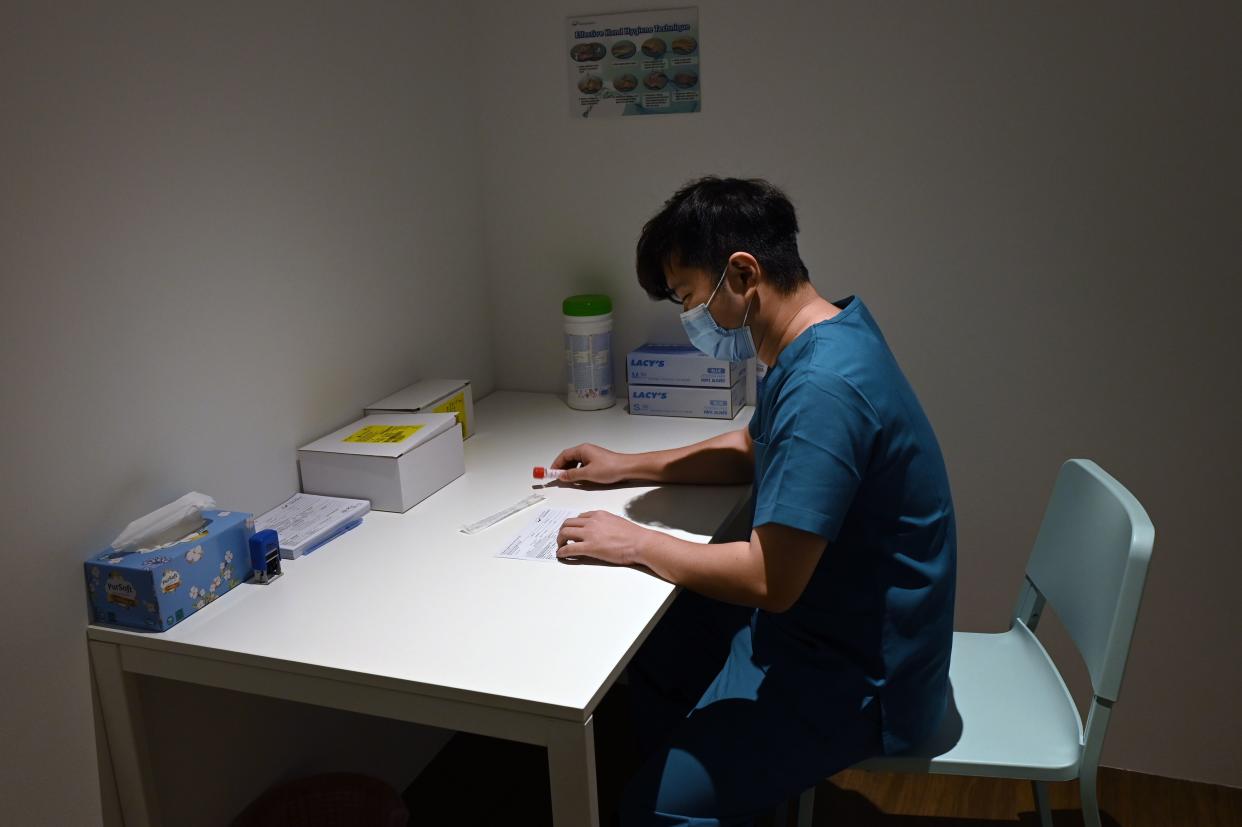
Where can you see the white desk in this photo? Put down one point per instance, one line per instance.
(407, 618)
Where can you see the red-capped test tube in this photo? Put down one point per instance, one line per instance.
(542, 473)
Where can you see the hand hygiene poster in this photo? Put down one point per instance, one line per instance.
(634, 63)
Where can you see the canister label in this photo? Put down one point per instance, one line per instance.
(589, 361)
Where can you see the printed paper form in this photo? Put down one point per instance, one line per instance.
(538, 540)
(305, 518)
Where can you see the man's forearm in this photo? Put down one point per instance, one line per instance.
(729, 572)
(724, 459)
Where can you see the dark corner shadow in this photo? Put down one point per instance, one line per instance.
(691, 508)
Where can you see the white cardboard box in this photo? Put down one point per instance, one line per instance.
(709, 403)
(681, 365)
(432, 396)
(394, 460)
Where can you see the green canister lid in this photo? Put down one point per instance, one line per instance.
(588, 304)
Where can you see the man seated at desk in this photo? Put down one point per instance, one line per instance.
(825, 638)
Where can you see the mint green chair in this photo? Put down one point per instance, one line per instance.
(1011, 715)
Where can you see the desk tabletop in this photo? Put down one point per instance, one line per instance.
(407, 601)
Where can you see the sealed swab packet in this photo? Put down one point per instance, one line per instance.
(491, 519)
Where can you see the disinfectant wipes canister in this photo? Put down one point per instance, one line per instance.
(588, 351)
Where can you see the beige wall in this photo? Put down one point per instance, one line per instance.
(1040, 204)
(224, 228)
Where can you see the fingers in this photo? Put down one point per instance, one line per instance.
(568, 458)
(571, 539)
(573, 528)
(587, 536)
(568, 461)
(571, 550)
(571, 531)
(580, 521)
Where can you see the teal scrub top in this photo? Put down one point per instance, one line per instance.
(843, 450)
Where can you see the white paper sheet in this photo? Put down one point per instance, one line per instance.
(538, 540)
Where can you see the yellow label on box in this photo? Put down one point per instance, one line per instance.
(383, 433)
(455, 404)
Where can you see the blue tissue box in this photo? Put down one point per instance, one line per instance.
(157, 588)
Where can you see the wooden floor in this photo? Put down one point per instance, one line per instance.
(1127, 799)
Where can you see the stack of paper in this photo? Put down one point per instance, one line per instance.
(304, 522)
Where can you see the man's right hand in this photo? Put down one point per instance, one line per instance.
(591, 463)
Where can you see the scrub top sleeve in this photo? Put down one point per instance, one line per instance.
(816, 450)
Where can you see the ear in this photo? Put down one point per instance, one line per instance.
(744, 272)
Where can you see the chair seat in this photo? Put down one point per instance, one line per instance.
(1010, 715)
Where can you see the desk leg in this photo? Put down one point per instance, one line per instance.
(571, 766)
(118, 700)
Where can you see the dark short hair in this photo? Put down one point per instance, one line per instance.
(708, 220)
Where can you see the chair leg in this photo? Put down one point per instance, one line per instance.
(1040, 788)
(806, 808)
(1090, 804)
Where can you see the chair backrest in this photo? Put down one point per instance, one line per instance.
(1090, 563)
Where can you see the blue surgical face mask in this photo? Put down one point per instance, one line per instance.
(729, 345)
